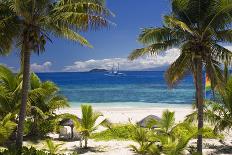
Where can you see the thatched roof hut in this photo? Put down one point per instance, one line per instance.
(145, 121)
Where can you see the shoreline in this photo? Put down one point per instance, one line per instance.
(131, 114)
(139, 104)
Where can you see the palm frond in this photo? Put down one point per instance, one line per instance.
(153, 49)
(173, 22)
(167, 121)
(154, 35)
(178, 69)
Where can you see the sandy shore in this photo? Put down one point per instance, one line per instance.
(134, 114)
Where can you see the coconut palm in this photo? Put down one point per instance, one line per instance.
(29, 23)
(197, 27)
(88, 123)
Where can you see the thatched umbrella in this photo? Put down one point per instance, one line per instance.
(70, 123)
(145, 121)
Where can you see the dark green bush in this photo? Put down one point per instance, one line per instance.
(25, 151)
(46, 126)
(39, 129)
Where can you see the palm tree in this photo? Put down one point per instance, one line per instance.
(197, 27)
(88, 123)
(52, 148)
(43, 100)
(30, 22)
(143, 138)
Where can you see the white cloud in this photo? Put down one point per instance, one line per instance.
(228, 47)
(45, 67)
(10, 67)
(125, 64)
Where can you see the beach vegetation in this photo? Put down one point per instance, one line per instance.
(197, 28)
(7, 127)
(27, 25)
(44, 99)
(52, 147)
(167, 138)
(30, 151)
(218, 112)
(88, 123)
(115, 132)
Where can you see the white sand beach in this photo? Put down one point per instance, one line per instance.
(123, 115)
(133, 114)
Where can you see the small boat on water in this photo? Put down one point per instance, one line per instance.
(115, 72)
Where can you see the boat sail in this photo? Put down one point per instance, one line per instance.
(115, 71)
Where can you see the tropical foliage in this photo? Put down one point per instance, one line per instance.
(88, 123)
(52, 147)
(30, 151)
(28, 24)
(10, 86)
(219, 112)
(43, 100)
(7, 127)
(115, 132)
(197, 28)
(167, 138)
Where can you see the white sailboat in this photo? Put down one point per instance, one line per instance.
(115, 71)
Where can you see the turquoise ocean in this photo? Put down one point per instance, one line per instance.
(133, 89)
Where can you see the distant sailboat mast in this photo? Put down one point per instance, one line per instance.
(115, 71)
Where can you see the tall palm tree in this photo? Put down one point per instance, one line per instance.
(29, 23)
(197, 27)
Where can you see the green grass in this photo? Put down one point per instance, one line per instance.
(117, 132)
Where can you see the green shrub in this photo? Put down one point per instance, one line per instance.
(25, 151)
(40, 129)
(45, 127)
(117, 132)
(207, 132)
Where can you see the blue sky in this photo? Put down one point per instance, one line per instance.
(113, 44)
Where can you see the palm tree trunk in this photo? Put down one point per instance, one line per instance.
(200, 100)
(25, 87)
(86, 142)
(226, 71)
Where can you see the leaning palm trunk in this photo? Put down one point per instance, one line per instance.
(200, 98)
(25, 87)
